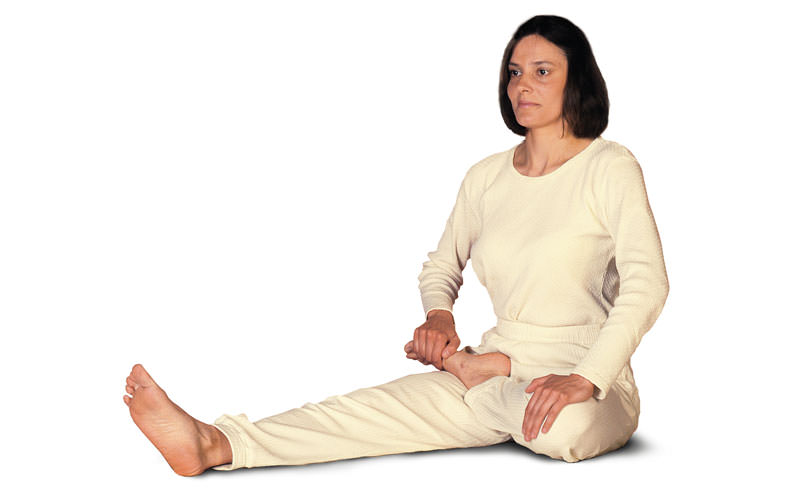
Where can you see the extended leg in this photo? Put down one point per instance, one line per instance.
(418, 412)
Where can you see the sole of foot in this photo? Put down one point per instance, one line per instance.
(188, 445)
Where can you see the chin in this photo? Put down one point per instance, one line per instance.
(531, 124)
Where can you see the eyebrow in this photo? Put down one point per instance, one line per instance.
(534, 62)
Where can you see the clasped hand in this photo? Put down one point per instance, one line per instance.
(551, 394)
(434, 340)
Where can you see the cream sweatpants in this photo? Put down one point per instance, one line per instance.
(434, 410)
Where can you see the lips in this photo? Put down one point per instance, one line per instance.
(523, 104)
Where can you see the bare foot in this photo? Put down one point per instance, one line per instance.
(190, 446)
(473, 369)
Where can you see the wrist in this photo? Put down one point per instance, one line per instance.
(584, 380)
(435, 313)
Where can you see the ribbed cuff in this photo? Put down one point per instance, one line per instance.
(436, 300)
(450, 310)
(228, 428)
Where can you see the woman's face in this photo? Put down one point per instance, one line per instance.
(537, 77)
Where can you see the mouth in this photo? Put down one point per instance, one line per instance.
(526, 104)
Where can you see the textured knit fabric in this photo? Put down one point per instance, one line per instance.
(577, 246)
(573, 264)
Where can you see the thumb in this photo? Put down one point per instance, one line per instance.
(451, 347)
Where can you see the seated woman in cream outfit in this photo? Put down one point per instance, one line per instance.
(560, 231)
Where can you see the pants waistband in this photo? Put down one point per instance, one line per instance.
(584, 335)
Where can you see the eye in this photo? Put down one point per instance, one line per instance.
(514, 72)
(543, 72)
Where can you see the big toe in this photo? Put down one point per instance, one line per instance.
(140, 376)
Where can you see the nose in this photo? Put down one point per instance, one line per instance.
(524, 84)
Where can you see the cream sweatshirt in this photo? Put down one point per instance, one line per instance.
(576, 246)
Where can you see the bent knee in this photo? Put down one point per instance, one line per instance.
(579, 432)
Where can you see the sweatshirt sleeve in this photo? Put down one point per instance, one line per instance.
(441, 276)
(643, 284)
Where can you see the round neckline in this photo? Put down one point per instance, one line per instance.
(539, 178)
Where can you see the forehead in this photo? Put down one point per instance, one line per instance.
(537, 48)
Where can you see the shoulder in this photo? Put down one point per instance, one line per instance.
(610, 152)
(613, 162)
(481, 174)
(490, 164)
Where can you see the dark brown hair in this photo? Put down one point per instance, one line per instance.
(585, 96)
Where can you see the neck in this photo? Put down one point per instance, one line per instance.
(546, 148)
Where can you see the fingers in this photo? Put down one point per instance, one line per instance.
(551, 394)
(409, 348)
(535, 383)
(530, 416)
(416, 340)
(435, 353)
(433, 341)
(552, 415)
(412, 347)
(444, 347)
(543, 407)
(537, 410)
(419, 346)
(427, 348)
(423, 346)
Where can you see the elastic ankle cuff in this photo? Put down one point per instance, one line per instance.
(228, 429)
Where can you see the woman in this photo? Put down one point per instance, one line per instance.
(560, 232)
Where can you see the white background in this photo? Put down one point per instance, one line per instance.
(240, 196)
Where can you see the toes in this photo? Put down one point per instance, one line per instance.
(131, 385)
(127, 400)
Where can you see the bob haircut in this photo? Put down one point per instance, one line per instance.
(585, 96)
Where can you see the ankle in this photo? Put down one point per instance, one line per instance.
(454, 362)
(216, 447)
